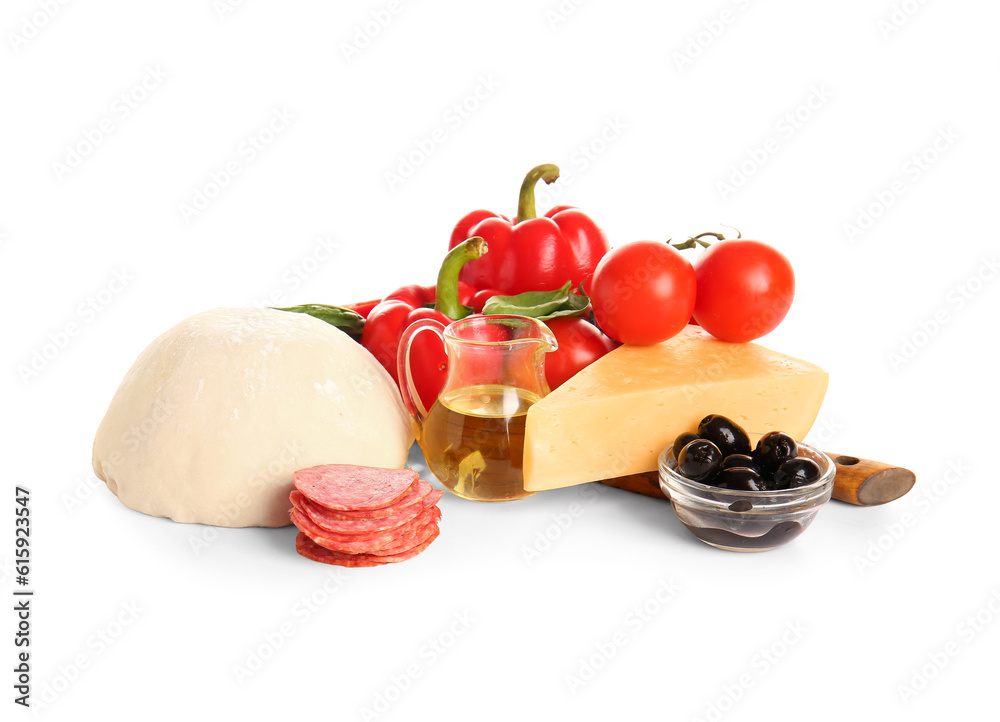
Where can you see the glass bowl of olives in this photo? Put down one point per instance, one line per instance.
(741, 498)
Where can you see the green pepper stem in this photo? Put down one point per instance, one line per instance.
(526, 200)
(446, 296)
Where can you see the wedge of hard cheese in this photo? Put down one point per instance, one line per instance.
(617, 415)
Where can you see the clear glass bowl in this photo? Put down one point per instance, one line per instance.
(746, 521)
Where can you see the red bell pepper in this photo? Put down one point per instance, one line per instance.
(479, 298)
(443, 302)
(580, 343)
(364, 308)
(467, 296)
(529, 253)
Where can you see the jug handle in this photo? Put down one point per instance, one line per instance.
(411, 399)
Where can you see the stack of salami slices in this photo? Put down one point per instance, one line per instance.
(361, 516)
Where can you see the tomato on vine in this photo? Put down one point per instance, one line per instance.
(643, 292)
(745, 289)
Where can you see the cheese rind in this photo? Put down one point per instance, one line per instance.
(617, 415)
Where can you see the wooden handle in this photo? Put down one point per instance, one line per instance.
(858, 481)
(869, 483)
(646, 483)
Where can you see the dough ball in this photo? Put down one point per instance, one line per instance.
(215, 415)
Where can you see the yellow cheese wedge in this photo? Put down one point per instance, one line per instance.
(617, 415)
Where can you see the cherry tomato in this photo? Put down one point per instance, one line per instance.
(745, 288)
(580, 344)
(643, 292)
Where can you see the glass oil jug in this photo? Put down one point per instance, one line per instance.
(473, 435)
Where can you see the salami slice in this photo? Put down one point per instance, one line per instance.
(345, 487)
(311, 550)
(392, 539)
(407, 542)
(334, 521)
(379, 537)
(360, 516)
(413, 496)
(422, 495)
(365, 526)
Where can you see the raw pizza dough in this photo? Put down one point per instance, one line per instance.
(215, 415)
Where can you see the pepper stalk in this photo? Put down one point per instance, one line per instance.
(446, 296)
(526, 199)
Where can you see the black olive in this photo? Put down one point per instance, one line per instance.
(739, 478)
(734, 460)
(774, 449)
(796, 472)
(724, 433)
(683, 440)
(698, 460)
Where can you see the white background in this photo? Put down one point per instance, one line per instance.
(648, 108)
